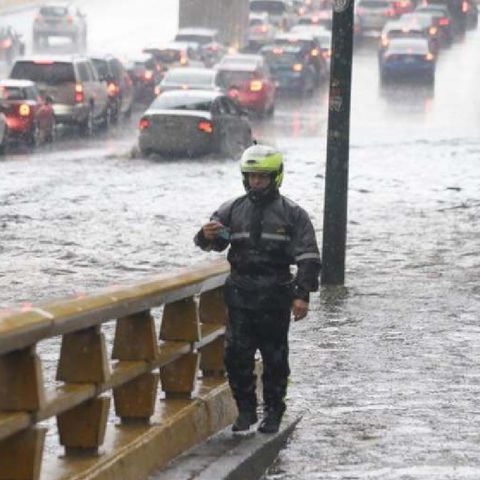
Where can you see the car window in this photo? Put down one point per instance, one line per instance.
(83, 72)
(53, 11)
(165, 102)
(101, 66)
(93, 72)
(117, 68)
(51, 73)
(228, 78)
(11, 93)
(32, 93)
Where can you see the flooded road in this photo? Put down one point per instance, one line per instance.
(387, 368)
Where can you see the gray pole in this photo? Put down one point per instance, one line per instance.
(336, 177)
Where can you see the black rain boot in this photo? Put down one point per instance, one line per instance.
(245, 419)
(271, 420)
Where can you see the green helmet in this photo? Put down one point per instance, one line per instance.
(262, 158)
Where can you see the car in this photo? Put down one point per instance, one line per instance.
(408, 58)
(470, 9)
(79, 96)
(188, 79)
(280, 12)
(321, 35)
(11, 45)
(444, 21)
(210, 47)
(249, 83)
(311, 49)
(321, 18)
(374, 14)
(145, 73)
(426, 22)
(290, 69)
(175, 54)
(194, 122)
(400, 29)
(260, 30)
(3, 133)
(30, 117)
(119, 84)
(59, 19)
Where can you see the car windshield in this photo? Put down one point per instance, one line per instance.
(228, 79)
(166, 102)
(53, 11)
(184, 76)
(51, 73)
(272, 7)
(11, 93)
(191, 37)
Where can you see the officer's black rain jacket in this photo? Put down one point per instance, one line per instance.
(265, 240)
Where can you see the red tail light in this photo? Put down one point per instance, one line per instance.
(148, 75)
(79, 93)
(69, 20)
(144, 123)
(315, 52)
(256, 85)
(444, 21)
(465, 7)
(7, 43)
(24, 110)
(429, 56)
(113, 89)
(390, 12)
(205, 126)
(298, 67)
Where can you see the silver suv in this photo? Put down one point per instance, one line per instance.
(79, 96)
(60, 19)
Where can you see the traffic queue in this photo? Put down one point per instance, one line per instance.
(198, 93)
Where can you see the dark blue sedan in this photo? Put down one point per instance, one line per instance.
(409, 58)
(290, 68)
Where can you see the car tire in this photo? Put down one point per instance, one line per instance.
(87, 126)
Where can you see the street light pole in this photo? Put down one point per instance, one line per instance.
(338, 138)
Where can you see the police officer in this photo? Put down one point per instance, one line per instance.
(267, 233)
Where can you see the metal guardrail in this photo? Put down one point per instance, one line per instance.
(191, 338)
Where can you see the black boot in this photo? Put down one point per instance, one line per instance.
(271, 420)
(244, 420)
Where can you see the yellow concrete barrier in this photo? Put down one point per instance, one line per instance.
(189, 358)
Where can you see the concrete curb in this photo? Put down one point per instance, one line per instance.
(226, 456)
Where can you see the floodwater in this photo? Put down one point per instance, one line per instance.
(386, 369)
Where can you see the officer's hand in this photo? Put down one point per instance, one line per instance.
(299, 309)
(211, 230)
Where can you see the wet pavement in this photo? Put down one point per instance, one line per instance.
(387, 368)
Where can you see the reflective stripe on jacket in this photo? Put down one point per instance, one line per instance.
(287, 237)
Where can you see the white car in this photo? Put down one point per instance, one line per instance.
(3, 133)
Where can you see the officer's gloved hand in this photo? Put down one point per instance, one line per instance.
(299, 309)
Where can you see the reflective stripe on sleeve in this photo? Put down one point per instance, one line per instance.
(308, 256)
(265, 236)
